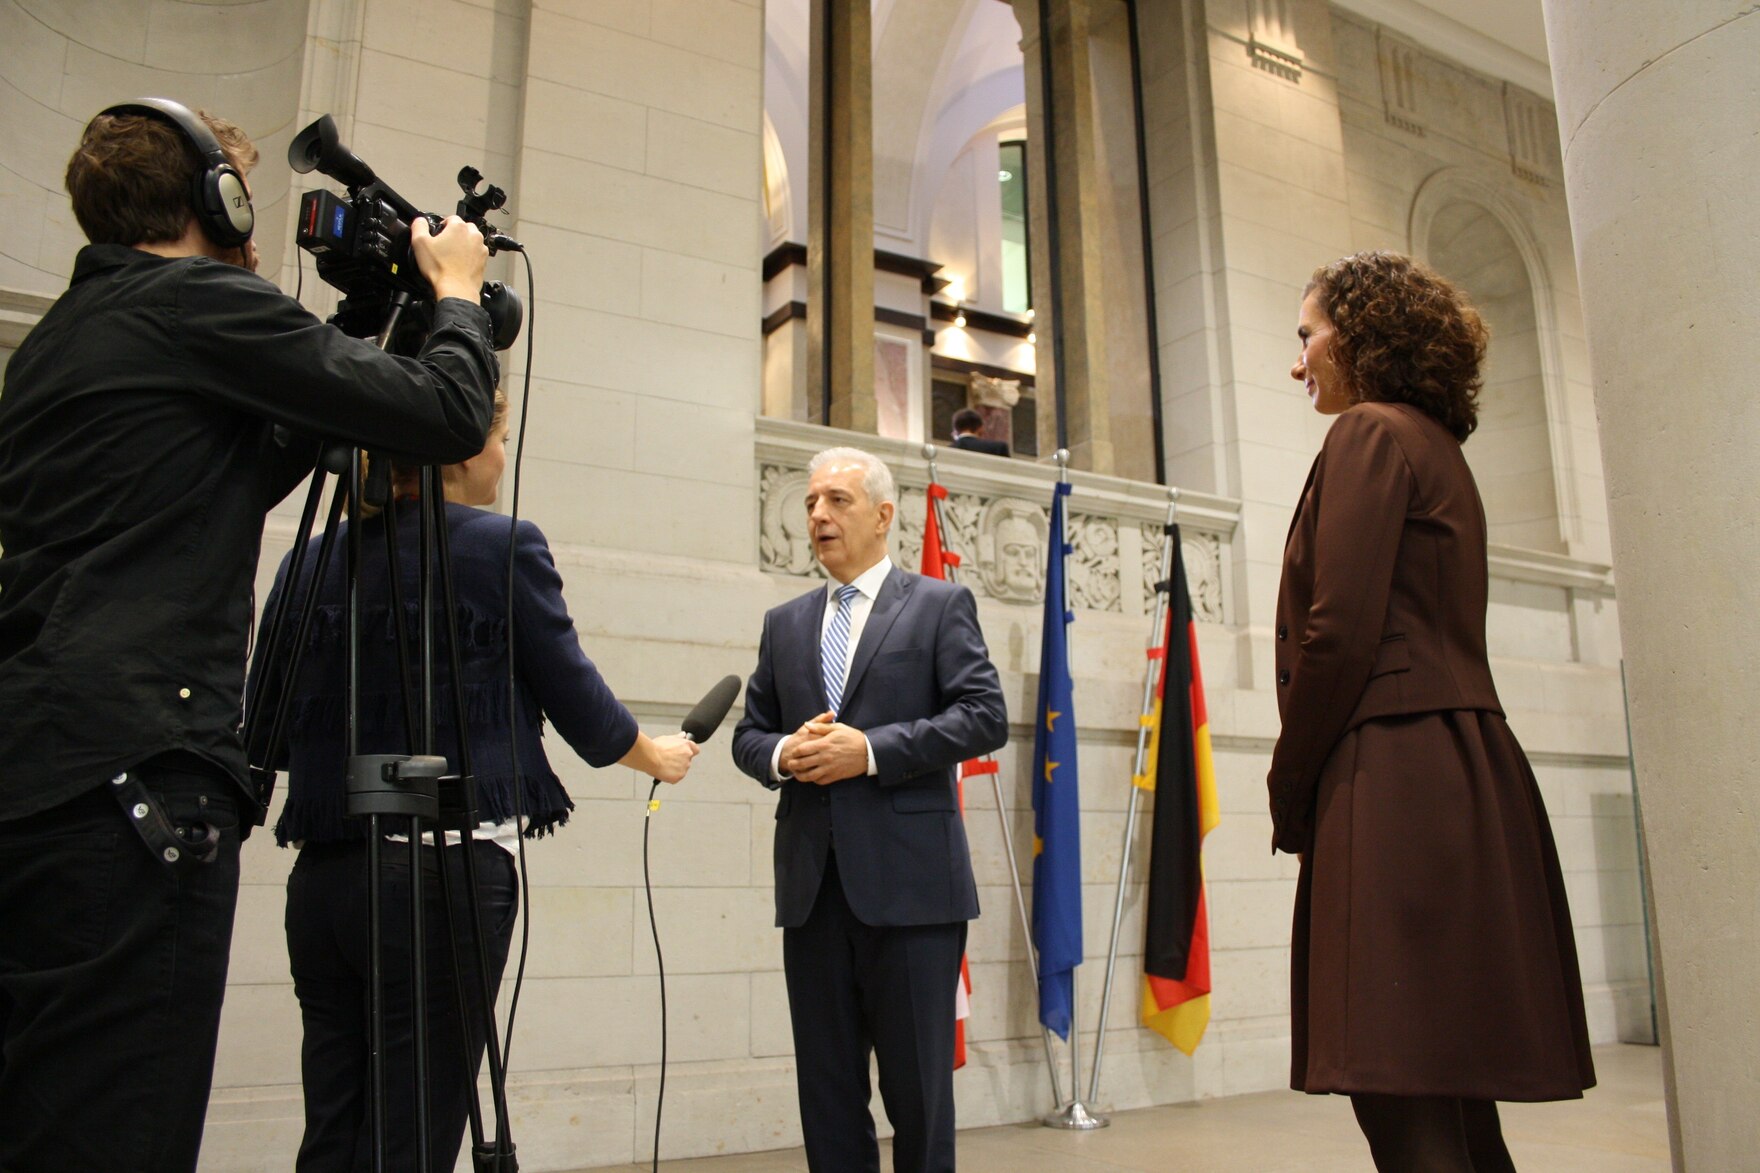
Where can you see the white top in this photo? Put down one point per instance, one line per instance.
(867, 585)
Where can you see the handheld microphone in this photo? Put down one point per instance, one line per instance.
(701, 722)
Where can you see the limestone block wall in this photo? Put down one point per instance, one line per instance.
(64, 62)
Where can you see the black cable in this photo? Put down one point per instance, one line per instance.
(525, 882)
(654, 927)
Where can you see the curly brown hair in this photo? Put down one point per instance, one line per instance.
(132, 178)
(1404, 334)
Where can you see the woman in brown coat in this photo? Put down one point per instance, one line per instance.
(1433, 970)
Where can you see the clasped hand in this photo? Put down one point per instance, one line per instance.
(823, 751)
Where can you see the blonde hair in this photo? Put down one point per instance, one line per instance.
(406, 479)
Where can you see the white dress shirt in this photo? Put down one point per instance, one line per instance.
(867, 585)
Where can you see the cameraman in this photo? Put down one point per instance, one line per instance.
(162, 406)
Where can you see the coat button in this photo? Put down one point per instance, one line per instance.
(1282, 631)
(1283, 676)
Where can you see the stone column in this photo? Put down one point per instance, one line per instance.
(1068, 259)
(840, 216)
(1659, 115)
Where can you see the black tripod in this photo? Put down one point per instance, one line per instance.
(416, 790)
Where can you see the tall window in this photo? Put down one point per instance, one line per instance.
(1017, 285)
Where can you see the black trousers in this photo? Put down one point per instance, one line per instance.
(854, 990)
(327, 947)
(112, 969)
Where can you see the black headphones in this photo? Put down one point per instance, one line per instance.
(218, 195)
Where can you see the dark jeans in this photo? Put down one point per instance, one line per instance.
(112, 969)
(327, 947)
(856, 989)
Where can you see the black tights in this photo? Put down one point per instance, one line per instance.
(1432, 1134)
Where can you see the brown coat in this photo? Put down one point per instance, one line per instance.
(1432, 951)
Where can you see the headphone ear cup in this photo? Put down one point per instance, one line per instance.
(226, 212)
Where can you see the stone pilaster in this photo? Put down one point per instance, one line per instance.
(1064, 205)
(840, 217)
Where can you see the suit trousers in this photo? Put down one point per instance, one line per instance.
(112, 970)
(854, 990)
(327, 948)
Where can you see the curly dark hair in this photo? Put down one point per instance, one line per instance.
(1404, 334)
(131, 176)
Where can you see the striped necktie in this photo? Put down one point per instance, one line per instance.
(834, 649)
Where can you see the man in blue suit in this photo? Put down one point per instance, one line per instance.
(868, 695)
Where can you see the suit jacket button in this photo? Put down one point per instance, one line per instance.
(1282, 631)
(1283, 676)
(825, 798)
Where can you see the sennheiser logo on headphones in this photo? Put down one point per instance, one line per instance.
(238, 201)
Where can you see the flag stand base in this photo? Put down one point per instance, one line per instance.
(1075, 1117)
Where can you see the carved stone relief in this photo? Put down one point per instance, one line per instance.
(1093, 563)
(783, 542)
(1003, 542)
(1203, 558)
(1011, 549)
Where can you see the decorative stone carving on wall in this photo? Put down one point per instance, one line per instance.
(1401, 80)
(1011, 545)
(999, 525)
(1528, 122)
(1272, 42)
(1203, 557)
(1093, 563)
(783, 542)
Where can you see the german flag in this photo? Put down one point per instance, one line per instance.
(1176, 953)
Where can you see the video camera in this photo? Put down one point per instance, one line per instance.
(362, 244)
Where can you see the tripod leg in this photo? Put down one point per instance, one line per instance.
(418, 1002)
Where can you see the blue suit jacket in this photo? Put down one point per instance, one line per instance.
(923, 690)
(555, 680)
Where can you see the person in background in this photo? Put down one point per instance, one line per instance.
(1433, 967)
(327, 939)
(967, 423)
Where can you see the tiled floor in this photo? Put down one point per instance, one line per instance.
(1618, 1127)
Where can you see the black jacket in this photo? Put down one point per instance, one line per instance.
(147, 424)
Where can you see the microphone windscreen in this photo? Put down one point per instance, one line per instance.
(703, 720)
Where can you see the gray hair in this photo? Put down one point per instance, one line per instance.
(876, 477)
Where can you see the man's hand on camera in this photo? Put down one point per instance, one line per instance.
(451, 261)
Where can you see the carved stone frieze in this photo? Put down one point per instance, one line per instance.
(783, 542)
(1203, 558)
(999, 526)
(1093, 563)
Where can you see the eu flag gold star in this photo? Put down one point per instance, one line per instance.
(1050, 766)
(1051, 716)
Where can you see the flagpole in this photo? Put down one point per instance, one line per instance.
(1014, 870)
(1154, 669)
(1074, 1115)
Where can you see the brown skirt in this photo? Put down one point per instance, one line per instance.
(1432, 953)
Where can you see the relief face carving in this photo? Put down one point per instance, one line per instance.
(1012, 548)
(1004, 541)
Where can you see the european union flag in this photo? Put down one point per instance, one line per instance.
(1057, 814)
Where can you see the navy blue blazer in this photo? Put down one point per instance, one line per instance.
(554, 677)
(923, 690)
